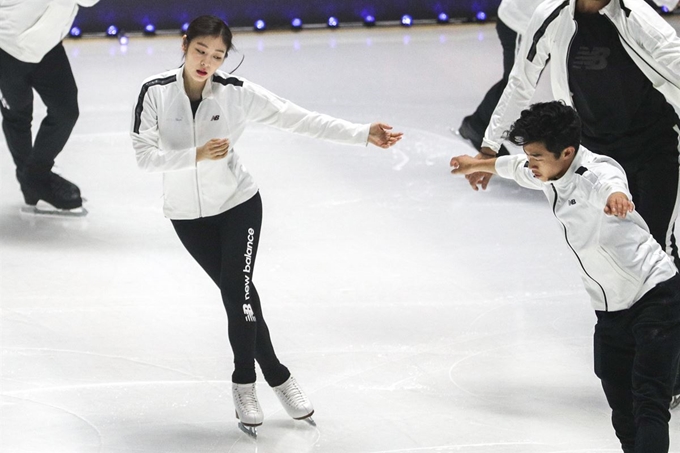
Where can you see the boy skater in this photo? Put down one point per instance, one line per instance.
(633, 285)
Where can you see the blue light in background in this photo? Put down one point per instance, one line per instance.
(260, 25)
(665, 10)
(406, 20)
(150, 29)
(443, 18)
(185, 27)
(481, 16)
(296, 23)
(123, 40)
(369, 20)
(75, 32)
(112, 30)
(333, 22)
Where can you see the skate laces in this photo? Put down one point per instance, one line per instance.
(247, 399)
(293, 394)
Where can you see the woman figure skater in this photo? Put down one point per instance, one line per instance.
(185, 124)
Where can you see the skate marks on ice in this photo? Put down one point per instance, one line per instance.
(393, 389)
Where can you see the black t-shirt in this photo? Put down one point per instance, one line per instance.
(194, 106)
(620, 109)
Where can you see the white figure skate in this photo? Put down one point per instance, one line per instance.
(295, 401)
(247, 407)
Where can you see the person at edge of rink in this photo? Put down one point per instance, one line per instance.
(617, 62)
(185, 124)
(32, 57)
(633, 284)
(511, 24)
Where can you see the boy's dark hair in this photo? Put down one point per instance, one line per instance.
(209, 26)
(554, 124)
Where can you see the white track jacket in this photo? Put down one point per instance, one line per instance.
(165, 136)
(649, 40)
(618, 258)
(516, 14)
(31, 28)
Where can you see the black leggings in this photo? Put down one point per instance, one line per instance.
(225, 246)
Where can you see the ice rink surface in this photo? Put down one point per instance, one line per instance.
(419, 316)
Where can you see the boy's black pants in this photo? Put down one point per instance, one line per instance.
(53, 80)
(636, 357)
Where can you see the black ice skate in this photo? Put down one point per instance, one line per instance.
(61, 196)
(470, 135)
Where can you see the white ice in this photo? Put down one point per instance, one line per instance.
(420, 316)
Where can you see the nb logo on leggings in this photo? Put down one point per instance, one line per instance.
(248, 311)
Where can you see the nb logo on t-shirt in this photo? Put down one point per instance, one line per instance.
(215, 118)
(591, 59)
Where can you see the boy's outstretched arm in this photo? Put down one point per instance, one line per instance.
(618, 205)
(465, 165)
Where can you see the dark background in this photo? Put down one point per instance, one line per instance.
(133, 15)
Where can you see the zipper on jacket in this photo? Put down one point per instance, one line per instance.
(571, 41)
(198, 185)
(566, 238)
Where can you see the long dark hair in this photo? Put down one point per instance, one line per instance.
(209, 26)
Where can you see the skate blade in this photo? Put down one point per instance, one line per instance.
(53, 212)
(249, 430)
(309, 420)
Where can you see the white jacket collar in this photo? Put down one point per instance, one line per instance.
(207, 89)
(567, 178)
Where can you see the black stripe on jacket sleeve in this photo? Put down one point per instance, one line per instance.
(228, 81)
(541, 31)
(140, 101)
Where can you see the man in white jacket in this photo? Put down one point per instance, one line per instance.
(33, 57)
(633, 285)
(512, 22)
(511, 25)
(618, 63)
